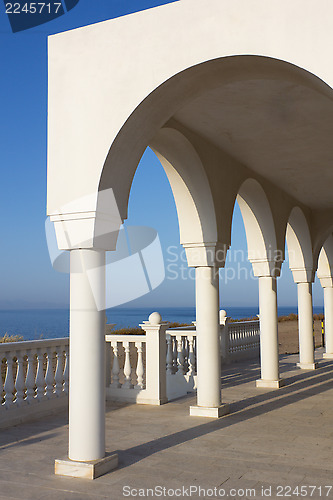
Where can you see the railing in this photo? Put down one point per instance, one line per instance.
(240, 340)
(181, 361)
(152, 368)
(34, 378)
(125, 366)
(160, 365)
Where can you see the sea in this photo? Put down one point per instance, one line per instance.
(34, 324)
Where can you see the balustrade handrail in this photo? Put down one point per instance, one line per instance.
(32, 344)
(125, 337)
(231, 323)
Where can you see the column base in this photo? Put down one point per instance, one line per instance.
(270, 384)
(328, 355)
(307, 366)
(209, 411)
(86, 470)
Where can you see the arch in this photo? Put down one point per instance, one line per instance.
(325, 262)
(104, 152)
(299, 245)
(190, 187)
(259, 228)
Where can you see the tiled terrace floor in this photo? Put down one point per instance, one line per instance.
(271, 438)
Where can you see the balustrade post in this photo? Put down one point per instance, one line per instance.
(155, 359)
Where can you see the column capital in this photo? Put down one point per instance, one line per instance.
(326, 282)
(85, 230)
(326, 279)
(206, 254)
(304, 275)
(266, 268)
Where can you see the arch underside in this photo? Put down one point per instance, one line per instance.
(242, 118)
(216, 125)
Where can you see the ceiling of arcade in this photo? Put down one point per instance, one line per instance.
(280, 130)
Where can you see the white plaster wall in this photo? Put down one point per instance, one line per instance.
(100, 73)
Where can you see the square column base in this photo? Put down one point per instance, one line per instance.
(208, 411)
(86, 470)
(307, 366)
(328, 355)
(270, 384)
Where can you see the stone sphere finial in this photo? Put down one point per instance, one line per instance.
(155, 318)
(223, 314)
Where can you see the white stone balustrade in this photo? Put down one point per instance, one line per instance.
(128, 364)
(240, 340)
(126, 367)
(181, 361)
(34, 378)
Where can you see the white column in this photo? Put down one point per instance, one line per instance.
(87, 356)
(305, 326)
(208, 345)
(328, 303)
(269, 345)
(87, 458)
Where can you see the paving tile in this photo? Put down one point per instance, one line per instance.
(272, 437)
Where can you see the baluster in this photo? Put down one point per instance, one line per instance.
(19, 381)
(58, 374)
(9, 381)
(191, 356)
(115, 366)
(175, 355)
(185, 355)
(127, 367)
(49, 376)
(139, 367)
(30, 378)
(66, 371)
(169, 355)
(1, 382)
(40, 379)
(180, 357)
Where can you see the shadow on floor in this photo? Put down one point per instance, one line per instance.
(300, 386)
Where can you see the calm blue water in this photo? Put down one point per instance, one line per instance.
(53, 323)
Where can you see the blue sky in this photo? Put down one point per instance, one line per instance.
(27, 278)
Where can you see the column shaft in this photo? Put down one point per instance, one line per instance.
(208, 337)
(305, 326)
(328, 301)
(269, 345)
(87, 356)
